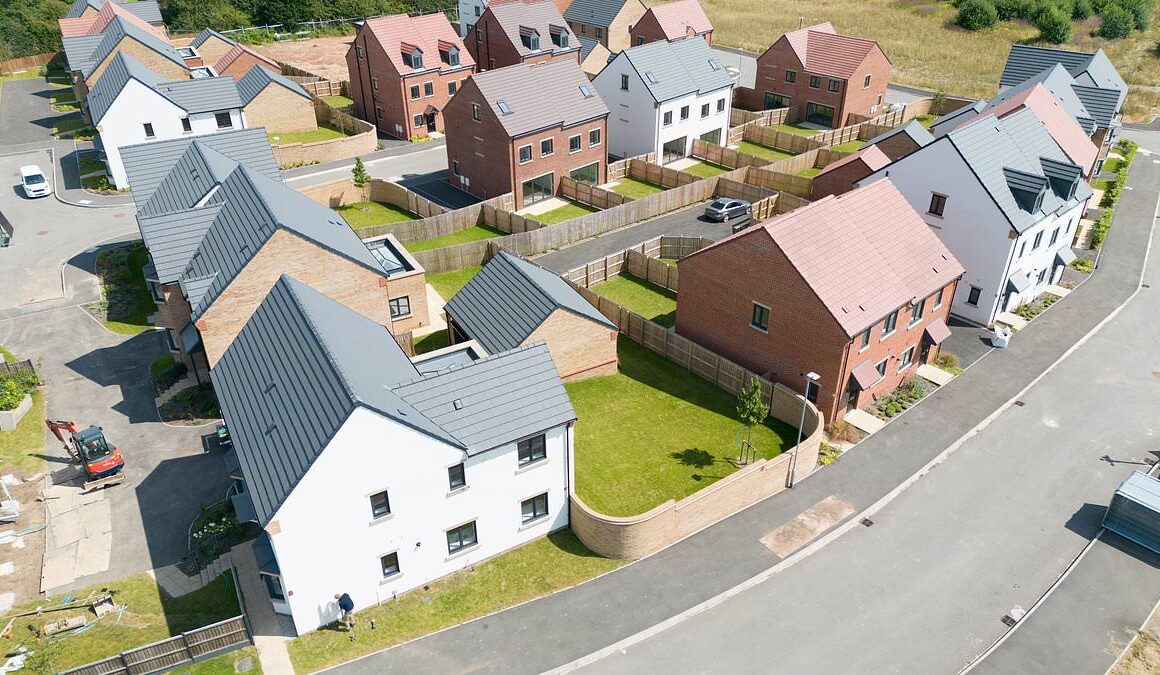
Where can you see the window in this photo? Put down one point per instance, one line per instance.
(185, 125)
(938, 204)
(574, 144)
(834, 86)
(452, 86)
(149, 130)
(428, 88)
(417, 60)
(456, 476)
(760, 319)
(774, 101)
(171, 340)
(881, 367)
(668, 118)
(593, 137)
(455, 167)
(589, 174)
(534, 508)
(865, 340)
(890, 323)
(561, 40)
(791, 76)
(704, 110)
(479, 29)
(477, 10)
(907, 359)
(720, 105)
(639, 40)
(375, 83)
(624, 82)
(475, 111)
(414, 91)
(937, 299)
(378, 114)
(533, 42)
(453, 56)
(1042, 274)
(599, 32)
(224, 121)
(380, 505)
(916, 314)
(583, 29)
(1054, 237)
(547, 147)
(461, 537)
(400, 306)
(684, 112)
(419, 121)
(531, 450)
(390, 564)
(1022, 250)
(1038, 240)
(525, 154)
(358, 49)
(815, 82)
(973, 296)
(866, 82)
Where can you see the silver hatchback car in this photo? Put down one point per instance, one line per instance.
(721, 210)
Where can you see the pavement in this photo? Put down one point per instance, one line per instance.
(990, 527)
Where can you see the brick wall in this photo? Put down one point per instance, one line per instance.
(149, 58)
(213, 49)
(491, 48)
(243, 64)
(617, 36)
(364, 141)
(580, 347)
(280, 111)
(650, 30)
(839, 180)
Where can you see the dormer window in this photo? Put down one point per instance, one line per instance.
(453, 56)
(413, 56)
(559, 36)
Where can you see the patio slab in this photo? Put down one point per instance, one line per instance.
(1015, 321)
(1057, 291)
(934, 374)
(806, 526)
(864, 421)
(543, 207)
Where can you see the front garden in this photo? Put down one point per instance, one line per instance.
(653, 302)
(325, 132)
(910, 392)
(21, 447)
(1112, 181)
(654, 432)
(126, 304)
(193, 405)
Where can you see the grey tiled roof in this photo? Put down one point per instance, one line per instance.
(190, 180)
(206, 34)
(148, 164)
(1062, 86)
(1101, 103)
(172, 238)
(202, 95)
(119, 28)
(193, 96)
(587, 44)
(121, 69)
(913, 129)
(495, 400)
(258, 78)
(1056, 80)
(956, 117)
(677, 68)
(78, 50)
(539, 95)
(148, 10)
(538, 15)
(1088, 68)
(596, 12)
(993, 147)
(509, 298)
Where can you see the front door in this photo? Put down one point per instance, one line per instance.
(924, 351)
(851, 395)
(430, 122)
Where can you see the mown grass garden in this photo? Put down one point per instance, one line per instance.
(127, 303)
(653, 302)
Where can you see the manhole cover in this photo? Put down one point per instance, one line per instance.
(866, 522)
(1009, 621)
(1020, 403)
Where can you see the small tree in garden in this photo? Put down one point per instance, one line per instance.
(938, 102)
(359, 172)
(751, 410)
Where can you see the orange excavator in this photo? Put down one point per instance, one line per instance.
(102, 462)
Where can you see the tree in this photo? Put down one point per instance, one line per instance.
(1054, 26)
(751, 410)
(1141, 11)
(977, 14)
(359, 173)
(1081, 10)
(1116, 22)
(938, 103)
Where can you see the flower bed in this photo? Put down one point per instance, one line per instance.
(1030, 310)
(906, 395)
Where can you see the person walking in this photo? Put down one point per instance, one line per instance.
(345, 610)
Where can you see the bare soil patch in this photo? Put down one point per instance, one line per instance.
(325, 57)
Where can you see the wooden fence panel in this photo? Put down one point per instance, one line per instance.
(110, 666)
(215, 637)
(591, 195)
(171, 652)
(13, 367)
(26, 63)
(782, 140)
(787, 202)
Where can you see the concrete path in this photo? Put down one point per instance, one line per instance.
(269, 636)
(945, 561)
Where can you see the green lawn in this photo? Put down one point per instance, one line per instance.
(469, 234)
(337, 101)
(765, 151)
(150, 615)
(631, 187)
(226, 664)
(1111, 165)
(431, 342)
(650, 301)
(537, 569)
(849, 146)
(654, 432)
(70, 124)
(797, 129)
(90, 163)
(706, 169)
(448, 284)
(127, 303)
(567, 212)
(324, 132)
(371, 214)
(927, 120)
(21, 448)
(810, 172)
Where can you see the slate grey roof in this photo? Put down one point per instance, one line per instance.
(596, 12)
(206, 34)
(189, 181)
(1102, 104)
(1019, 142)
(122, 68)
(202, 95)
(956, 117)
(674, 69)
(148, 164)
(539, 95)
(258, 78)
(587, 44)
(78, 50)
(509, 298)
(538, 15)
(148, 10)
(1088, 68)
(119, 28)
(193, 96)
(173, 238)
(496, 400)
(465, 355)
(913, 129)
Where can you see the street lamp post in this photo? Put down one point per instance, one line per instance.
(811, 380)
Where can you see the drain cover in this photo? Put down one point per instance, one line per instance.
(866, 522)
(1020, 403)
(1009, 621)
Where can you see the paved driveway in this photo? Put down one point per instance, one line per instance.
(26, 116)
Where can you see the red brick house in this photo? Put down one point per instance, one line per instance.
(672, 21)
(827, 75)
(843, 175)
(522, 128)
(521, 31)
(855, 288)
(240, 60)
(403, 71)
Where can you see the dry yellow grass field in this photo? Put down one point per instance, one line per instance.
(925, 46)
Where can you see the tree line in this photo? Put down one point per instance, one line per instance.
(1053, 18)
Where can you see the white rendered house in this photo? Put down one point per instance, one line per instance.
(372, 475)
(131, 104)
(1006, 201)
(664, 95)
(469, 13)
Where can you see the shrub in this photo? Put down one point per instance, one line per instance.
(1081, 9)
(844, 431)
(828, 454)
(1054, 26)
(1100, 229)
(1115, 22)
(976, 14)
(1016, 9)
(1141, 11)
(11, 394)
(1128, 149)
(946, 360)
(1083, 265)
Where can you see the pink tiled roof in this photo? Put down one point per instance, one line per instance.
(77, 26)
(1064, 130)
(870, 155)
(825, 52)
(426, 32)
(97, 23)
(681, 18)
(865, 253)
(236, 52)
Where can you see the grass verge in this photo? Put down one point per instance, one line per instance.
(21, 448)
(226, 664)
(373, 214)
(464, 236)
(764, 151)
(650, 301)
(325, 132)
(653, 432)
(567, 212)
(531, 571)
(431, 342)
(448, 284)
(631, 187)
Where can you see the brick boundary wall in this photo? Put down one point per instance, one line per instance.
(363, 142)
